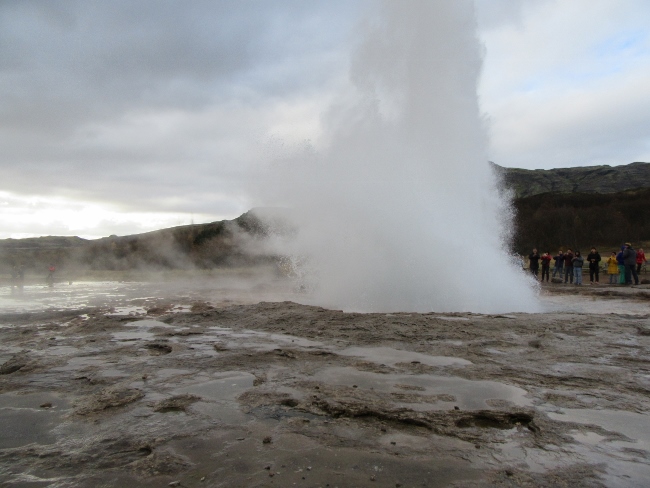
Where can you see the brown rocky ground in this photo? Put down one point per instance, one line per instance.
(205, 387)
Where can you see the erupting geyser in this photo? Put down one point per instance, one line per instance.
(400, 211)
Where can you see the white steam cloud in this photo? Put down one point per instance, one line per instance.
(400, 211)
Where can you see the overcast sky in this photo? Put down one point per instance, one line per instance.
(120, 117)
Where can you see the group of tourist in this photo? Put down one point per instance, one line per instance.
(622, 266)
(18, 275)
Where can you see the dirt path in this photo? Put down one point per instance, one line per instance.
(183, 392)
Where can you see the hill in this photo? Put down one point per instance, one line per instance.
(579, 207)
(567, 207)
(550, 221)
(588, 179)
(236, 242)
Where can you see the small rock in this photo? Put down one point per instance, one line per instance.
(267, 468)
(267, 440)
(241, 438)
(477, 446)
(393, 442)
(174, 483)
(456, 407)
(372, 478)
(509, 472)
(46, 405)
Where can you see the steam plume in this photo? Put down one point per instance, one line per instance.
(400, 211)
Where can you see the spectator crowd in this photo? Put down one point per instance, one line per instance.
(623, 267)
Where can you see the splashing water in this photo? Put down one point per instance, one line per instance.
(400, 211)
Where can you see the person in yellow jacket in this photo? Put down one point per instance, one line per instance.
(612, 269)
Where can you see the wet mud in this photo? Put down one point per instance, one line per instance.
(188, 388)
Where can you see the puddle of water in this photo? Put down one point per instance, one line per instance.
(219, 396)
(181, 309)
(80, 363)
(636, 426)
(24, 421)
(148, 324)
(468, 394)
(390, 356)
(199, 345)
(134, 310)
(262, 341)
(142, 330)
(62, 350)
(167, 373)
(113, 373)
(590, 438)
(626, 462)
(225, 388)
(593, 305)
(64, 296)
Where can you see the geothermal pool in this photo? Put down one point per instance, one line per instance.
(133, 297)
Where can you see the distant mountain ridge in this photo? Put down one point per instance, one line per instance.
(586, 179)
(577, 207)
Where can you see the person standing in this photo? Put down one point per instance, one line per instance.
(612, 268)
(578, 262)
(621, 266)
(568, 266)
(559, 264)
(640, 259)
(533, 259)
(546, 265)
(629, 260)
(593, 258)
(50, 276)
(21, 276)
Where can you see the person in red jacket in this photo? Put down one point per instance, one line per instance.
(640, 259)
(546, 265)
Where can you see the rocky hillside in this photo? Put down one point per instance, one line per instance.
(587, 179)
(580, 207)
(236, 242)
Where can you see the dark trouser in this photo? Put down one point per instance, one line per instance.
(630, 272)
(534, 270)
(568, 274)
(558, 270)
(593, 270)
(545, 271)
(638, 267)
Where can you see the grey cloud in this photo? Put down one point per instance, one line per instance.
(72, 70)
